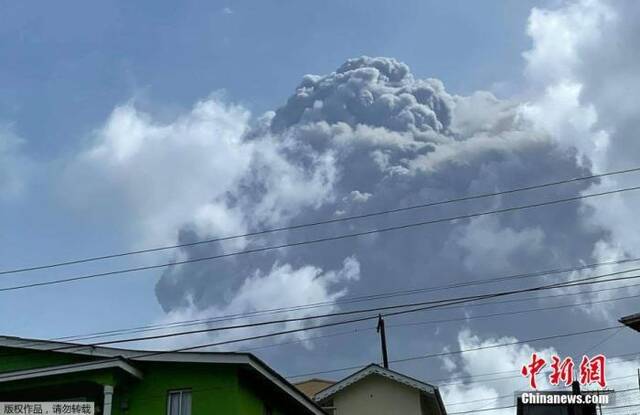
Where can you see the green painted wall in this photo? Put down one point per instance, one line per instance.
(251, 403)
(214, 389)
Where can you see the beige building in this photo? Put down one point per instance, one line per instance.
(375, 390)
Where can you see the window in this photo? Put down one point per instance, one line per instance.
(179, 402)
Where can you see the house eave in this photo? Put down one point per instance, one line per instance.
(69, 369)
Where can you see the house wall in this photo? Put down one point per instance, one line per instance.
(214, 389)
(376, 395)
(251, 403)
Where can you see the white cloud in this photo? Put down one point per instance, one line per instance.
(283, 286)
(584, 63)
(160, 175)
(559, 113)
(164, 176)
(358, 196)
(584, 58)
(560, 34)
(202, 172)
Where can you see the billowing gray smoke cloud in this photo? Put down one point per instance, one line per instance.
(377, 92)
(394, 141)
(371, 137)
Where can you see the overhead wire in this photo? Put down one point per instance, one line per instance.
(432, 304)
(449, 320)
(314, 241)
(318, 223)
(348, 300)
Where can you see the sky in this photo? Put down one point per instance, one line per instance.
(128, 126)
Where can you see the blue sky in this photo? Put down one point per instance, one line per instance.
(83, 59)
(127, 125)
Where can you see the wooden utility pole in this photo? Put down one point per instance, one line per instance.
(383, 341)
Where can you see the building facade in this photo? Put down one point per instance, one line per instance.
(129, 382)
(375, 390)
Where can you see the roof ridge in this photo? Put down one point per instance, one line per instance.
(371, 369)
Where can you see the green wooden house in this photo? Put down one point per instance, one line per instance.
(133, 382)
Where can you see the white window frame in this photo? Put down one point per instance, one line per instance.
(179, 392)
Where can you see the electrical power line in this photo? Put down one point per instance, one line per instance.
(402, 360)
(316, 241)
(481, 410)
(609, 362)
(427, 356)
(513, 394)
(71, 347)
(349, 300)
(427, 305)
(465, 382)
(443, 308)
(466, 318)
(454, 352)
(431, 305)
(421, 306)
(585, 281)
(458, 380)
(608, 337)
(117, 332)
(459, 319)
(150, 354)
(317, 223)
(424, 305)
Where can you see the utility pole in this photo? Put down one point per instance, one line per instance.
(383, 341)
